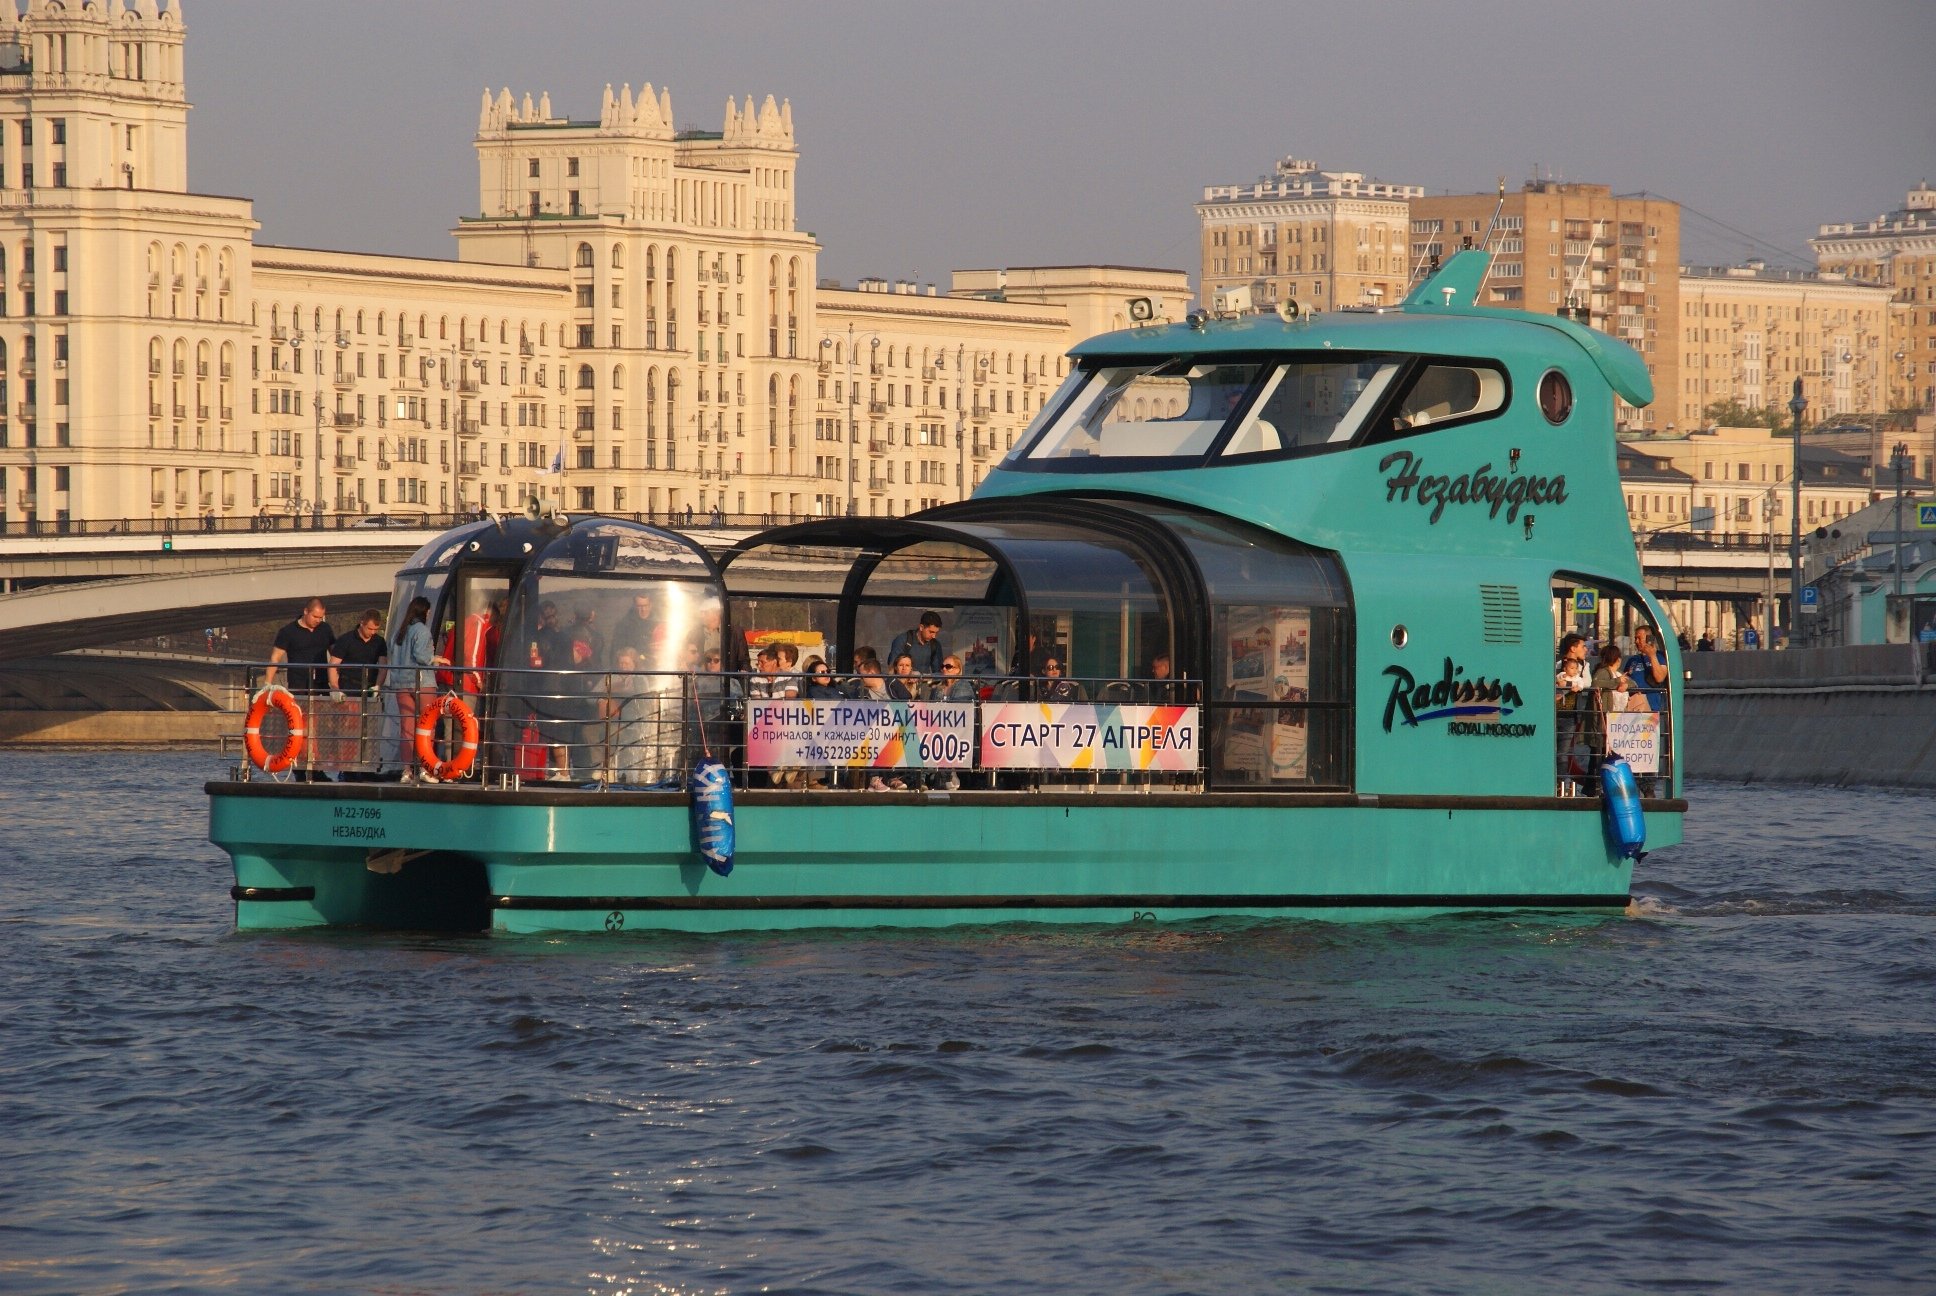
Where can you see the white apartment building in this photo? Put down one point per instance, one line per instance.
(633, 323)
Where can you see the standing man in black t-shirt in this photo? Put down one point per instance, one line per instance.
(304, 644)
(357, 653)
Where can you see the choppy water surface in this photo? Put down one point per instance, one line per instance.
(1733, 1090)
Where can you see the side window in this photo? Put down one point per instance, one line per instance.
(1445, 392)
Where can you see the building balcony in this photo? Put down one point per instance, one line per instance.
(346, 420)
(469, 468)
(344, 381)
(877, 447)
(877, 408)
(467, 427)
(345, 463)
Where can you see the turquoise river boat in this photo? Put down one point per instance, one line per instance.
(1258, 618)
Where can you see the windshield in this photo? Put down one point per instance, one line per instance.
(1187, 408)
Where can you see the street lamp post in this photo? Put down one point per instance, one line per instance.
(295, 342)
(1899, 461)
(852, 430)
(961, 412)
(1797, 406)
(448, 378)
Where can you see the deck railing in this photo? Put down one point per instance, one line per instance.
(1588, 733)
(637, 729)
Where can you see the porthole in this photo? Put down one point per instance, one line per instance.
(1555, 397)
(1400, 636)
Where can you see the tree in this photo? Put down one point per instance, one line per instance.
(1732, 413)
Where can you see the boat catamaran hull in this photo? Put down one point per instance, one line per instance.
(1309, 574)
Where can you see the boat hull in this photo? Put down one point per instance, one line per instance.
(541, 860)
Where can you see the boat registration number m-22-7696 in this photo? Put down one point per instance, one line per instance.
(357, 823)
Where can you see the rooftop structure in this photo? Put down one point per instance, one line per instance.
(1897, 250)
(1323, 239)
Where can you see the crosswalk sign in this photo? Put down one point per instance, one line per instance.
(1586, 602)
(1926, 516)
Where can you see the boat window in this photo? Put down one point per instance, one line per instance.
(1306, 406)
(1170, 409)
(620, 548)
(1444, 392)
(792, 571)
(570, 622)
(1095, 603)
(956, 582)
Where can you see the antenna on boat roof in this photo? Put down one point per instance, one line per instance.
(496, 519)
(1485, 243)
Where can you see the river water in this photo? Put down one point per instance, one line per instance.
(1733, 1089)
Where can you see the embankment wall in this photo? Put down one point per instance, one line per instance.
(1826, 715)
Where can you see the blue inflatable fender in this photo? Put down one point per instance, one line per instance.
(1620, 803)
(710, 790)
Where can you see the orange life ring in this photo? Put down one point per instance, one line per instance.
(259, 755)
(466, 754)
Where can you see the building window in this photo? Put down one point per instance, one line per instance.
(531, 167)
(571, 166)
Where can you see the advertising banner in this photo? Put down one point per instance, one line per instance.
(860, 734)
(1085, 736)
(1635, 735)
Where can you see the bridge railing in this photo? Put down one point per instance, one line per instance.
(634, 729)
(287, 523)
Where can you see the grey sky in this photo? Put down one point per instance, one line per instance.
(1018, 132)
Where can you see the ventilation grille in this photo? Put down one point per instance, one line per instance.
(1500, 604)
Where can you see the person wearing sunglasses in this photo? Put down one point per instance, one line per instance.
(953, 686)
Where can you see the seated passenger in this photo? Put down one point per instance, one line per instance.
(1058, 688)
(869, 684)
(905, 686)
(1161, 689)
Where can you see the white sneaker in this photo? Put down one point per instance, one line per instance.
(876, 785)
(425, 776)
